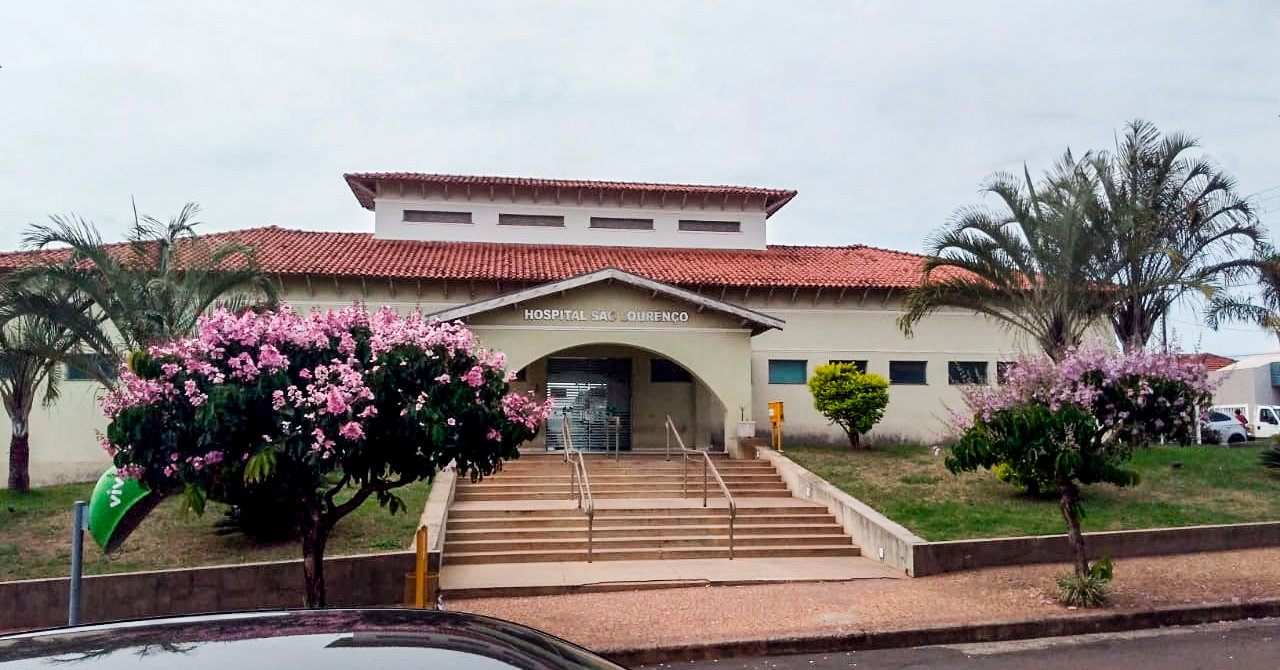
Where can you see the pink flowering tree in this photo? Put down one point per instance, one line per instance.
(328, 409)
(1077, 421)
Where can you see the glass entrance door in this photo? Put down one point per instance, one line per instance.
(588, 393)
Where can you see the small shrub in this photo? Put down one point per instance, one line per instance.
(1271, 458)
(849, 398)
(1087, 591)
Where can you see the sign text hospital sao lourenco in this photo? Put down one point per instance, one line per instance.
(635, 316)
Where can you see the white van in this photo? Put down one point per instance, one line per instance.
(1264, 420)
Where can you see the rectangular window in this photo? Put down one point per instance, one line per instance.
(966, 372)
(537, 220)
(81, 367)
(787, 371)
(861, 365)
(1002, 371)
(695, 226)
(908, 372)
(613, 223)
(422, 216)
(522, 375)
(663, 370)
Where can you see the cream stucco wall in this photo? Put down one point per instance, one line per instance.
(390, 224)
(715, 349)
(729, 364)
(63, 438)
(1247, 381)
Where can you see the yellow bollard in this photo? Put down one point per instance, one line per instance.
(422, 579)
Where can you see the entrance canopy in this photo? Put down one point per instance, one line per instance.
(757, 322)
(611, 344)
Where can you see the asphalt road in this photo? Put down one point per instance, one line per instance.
(1243, 644)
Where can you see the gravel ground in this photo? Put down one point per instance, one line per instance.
(605, 621)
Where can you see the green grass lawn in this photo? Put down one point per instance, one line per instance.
(910, 485)
(35, 535)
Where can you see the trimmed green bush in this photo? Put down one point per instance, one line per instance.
(849, 398)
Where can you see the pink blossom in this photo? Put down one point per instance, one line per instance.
(493, 435)
(474, 377)
(277, 399)
(452, 421)
(352, 431)
(443, 379)
(335, 403)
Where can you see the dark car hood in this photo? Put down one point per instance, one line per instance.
(387, 639)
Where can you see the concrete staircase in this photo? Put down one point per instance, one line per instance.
(524, 514)
(546, 477)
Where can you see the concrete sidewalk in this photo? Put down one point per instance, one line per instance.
(532, 579)
(676, 623)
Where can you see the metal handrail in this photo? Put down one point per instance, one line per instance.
(615, 422)
(707, 467)
(579, 483)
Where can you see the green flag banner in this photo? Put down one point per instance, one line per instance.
(117, 506)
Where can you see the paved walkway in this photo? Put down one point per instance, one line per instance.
(528, 579)
(604, 621)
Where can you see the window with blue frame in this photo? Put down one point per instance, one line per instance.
(908, 372)
(82, 367)
(783, 371)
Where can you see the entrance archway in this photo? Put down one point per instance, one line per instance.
(592, 384)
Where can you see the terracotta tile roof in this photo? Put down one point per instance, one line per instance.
(363, 185)
(1211, 361)
(296, 252)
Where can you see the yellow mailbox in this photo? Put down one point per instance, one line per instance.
(775, 424)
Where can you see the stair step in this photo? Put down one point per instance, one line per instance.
(632, 542)
(562, 479)
(579, 531)
(579, 521)
(671, 553)
(598, 495)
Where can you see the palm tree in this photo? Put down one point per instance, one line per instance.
(31, 350)
(1031, 262)
(1265, 312)
(1176, 224)
(151, 289)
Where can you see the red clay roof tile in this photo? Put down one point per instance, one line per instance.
(296, 252)
(1211, 361)
(363, 185)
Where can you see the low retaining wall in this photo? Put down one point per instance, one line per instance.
(350, 581)
(435, 514)
(876, 535)
(873, 533)
(932, 558)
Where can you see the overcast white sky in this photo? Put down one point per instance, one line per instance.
(885, 116)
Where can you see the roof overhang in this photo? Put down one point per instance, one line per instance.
(364, 185)
(758, 322)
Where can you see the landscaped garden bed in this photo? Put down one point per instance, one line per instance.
(910, 484)
(35, 535)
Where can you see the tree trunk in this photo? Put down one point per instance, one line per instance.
(19, 462)
(855, 439)
(314, 537)
(1070, 498)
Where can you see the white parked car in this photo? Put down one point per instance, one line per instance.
(1222, 428)
(1264, 420)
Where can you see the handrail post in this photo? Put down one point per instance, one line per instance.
(684, 477)
(705, 462)
(590, 523)
(668, 427)
(731, 515)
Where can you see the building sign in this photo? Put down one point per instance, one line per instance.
(598, 315)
